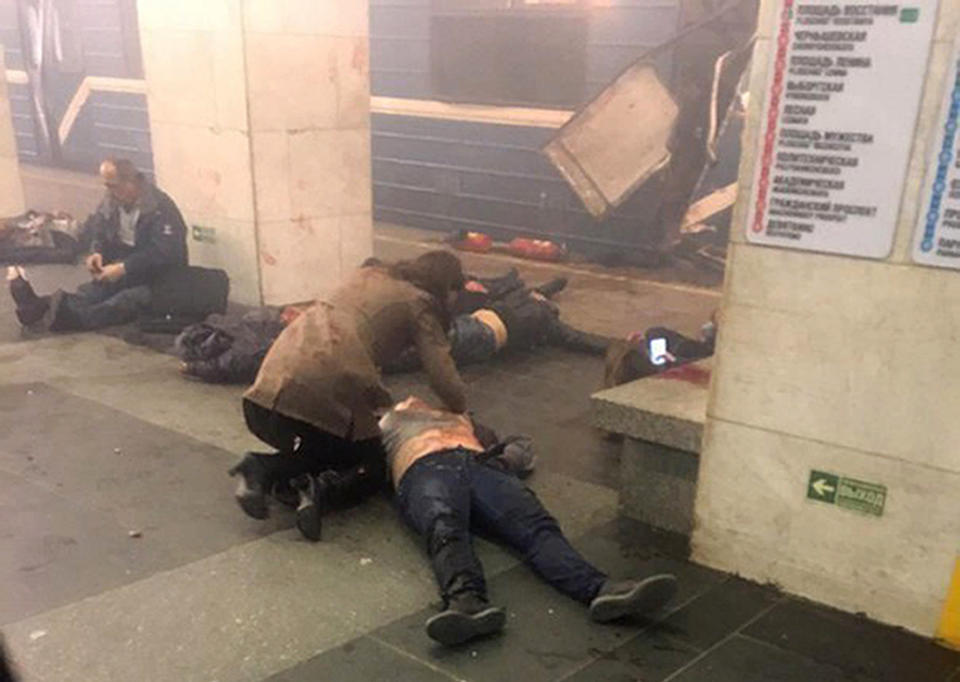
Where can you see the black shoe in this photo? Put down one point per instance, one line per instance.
(313, 503)
(467, 617)
(553, 287)
(632, 597)
(251, 488)
(20, 289)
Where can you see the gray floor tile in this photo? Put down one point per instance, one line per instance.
(361, 660)
(745, 660)
(547, 635)
(721, 610)
(54, 550)
(854, 643)
(617, 550)
(650, 657)
(75, 499)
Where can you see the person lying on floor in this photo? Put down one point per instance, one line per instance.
(341, 488)
(138, 235)
(444, 492)
(517, 319)
(656, 350)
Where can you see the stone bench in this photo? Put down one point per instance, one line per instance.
(661, 420)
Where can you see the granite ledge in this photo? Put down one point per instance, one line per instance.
(667, 412)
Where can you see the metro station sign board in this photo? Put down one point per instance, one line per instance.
(840, 108)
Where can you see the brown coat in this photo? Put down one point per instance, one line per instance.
(324, 368)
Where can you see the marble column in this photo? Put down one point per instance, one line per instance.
(11, 187)
(844, 365)
(260, 125)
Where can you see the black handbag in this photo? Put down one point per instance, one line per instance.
(185, 295)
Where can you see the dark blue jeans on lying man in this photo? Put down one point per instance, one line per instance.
(446, 495)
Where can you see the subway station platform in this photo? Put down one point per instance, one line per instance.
(124, 557)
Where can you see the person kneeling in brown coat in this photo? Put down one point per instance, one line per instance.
(318, 389)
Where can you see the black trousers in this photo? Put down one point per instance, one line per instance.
(358, 467)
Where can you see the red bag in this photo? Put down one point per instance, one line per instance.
(537, 249)
(473, 241)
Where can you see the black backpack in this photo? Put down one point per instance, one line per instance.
(183, 296)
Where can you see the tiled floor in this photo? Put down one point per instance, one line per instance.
(123, 557)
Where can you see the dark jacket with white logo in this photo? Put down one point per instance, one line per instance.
(160, 240)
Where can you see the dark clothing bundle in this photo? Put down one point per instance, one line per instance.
(447, 495)
(230, 348)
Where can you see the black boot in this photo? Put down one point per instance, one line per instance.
(20, 289)
(30, 307)
(553, 287)
(30, 315)
(632, 597)
(253, 485)
(313, 504)
(468, 616)
(565, 336)
(335, 490)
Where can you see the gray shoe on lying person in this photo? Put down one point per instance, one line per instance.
(467, 617)
(632, 597)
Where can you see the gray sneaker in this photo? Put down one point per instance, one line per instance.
(632, 597)
(467, 617)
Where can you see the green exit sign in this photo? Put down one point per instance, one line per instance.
(203, 234)
(849, 493)
(909, 15)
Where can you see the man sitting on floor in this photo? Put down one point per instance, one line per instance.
(138, 235)
(445, 490)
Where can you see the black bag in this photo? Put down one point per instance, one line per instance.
(185, 295)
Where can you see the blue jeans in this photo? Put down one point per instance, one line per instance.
(446, 495)
(96, 305)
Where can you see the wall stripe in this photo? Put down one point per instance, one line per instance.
(89, 84)
(397, 106)
(423, 108)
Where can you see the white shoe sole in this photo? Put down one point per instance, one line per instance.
(648, 596)
(452, 627)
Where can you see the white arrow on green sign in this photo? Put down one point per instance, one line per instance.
(849, 493)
